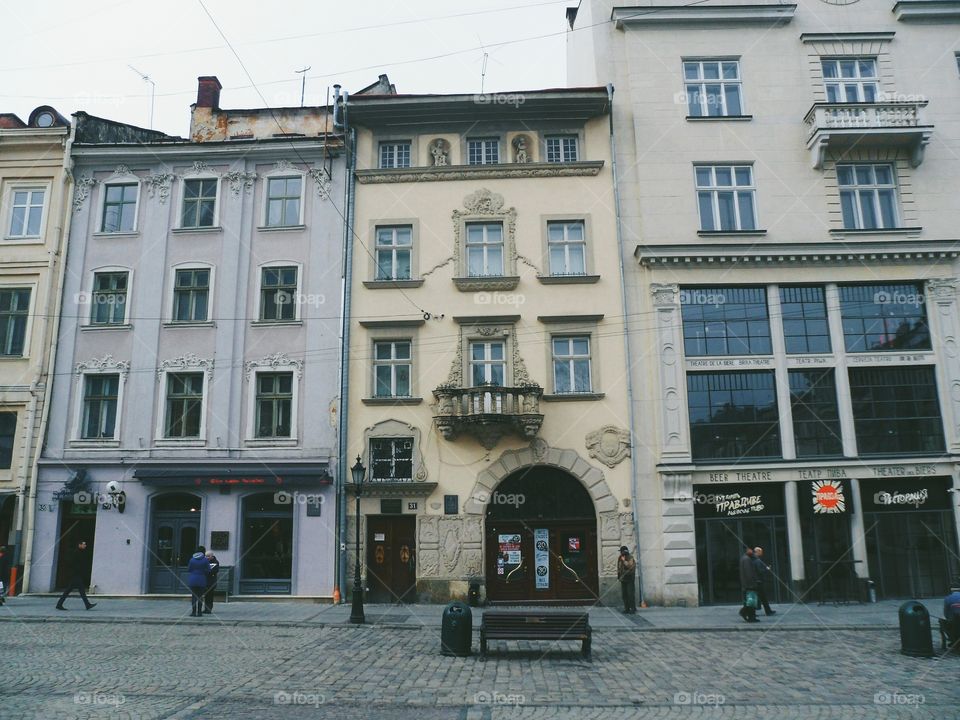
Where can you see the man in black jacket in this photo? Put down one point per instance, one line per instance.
(748, 581)
(211, 582)
(763, 575)
(78, 576)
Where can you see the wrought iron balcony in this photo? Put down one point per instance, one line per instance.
(488, 412)
(843, 126)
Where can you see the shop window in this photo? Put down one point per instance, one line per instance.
(733, 415)
(725, 321)
(804, 312)
(884, 317)
(813, 404)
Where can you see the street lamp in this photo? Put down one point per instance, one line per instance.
(356, 609)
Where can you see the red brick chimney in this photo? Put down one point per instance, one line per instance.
(208, 91)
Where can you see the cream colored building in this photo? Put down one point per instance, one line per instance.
(487, 382)
(789, 184)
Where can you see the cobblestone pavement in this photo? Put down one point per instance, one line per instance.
(206, 669)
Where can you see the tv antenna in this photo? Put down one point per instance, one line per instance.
(303, 82)
(153, 90)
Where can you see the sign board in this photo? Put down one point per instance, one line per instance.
(738, 500)
(541, 557)
(219, 539)
(828, 497)
(450, 504)
(391, 506)
(905, 495)
(573, 544)
(379, 537)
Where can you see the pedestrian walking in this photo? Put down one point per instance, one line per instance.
(197, 571)
(4, 573)
(79, 563)
(627, 575)
(951, 603)
(211, 582)
(748, 586)
(764, 575)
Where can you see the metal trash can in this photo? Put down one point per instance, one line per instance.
(915, 637)
(456, 630)
(473, 594)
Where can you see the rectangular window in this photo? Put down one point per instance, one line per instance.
(191, 292)
(725, 321)
(571, 365)
(483, 151)
(895, 410)
(562, 148)
(108, 302)
(488, 365)
(484, 249)
(713, 88)
(278, 294)
(100, 394)
(199, 203)
(395, 154)
(391, 459)
(120, 208)
(283, 201)
(394, 250)
(725, 197)
(184, 405)
(26, 212)
(813, 404)
(868, 196)
(804, 313)
(391, 368)
(274, 405)
(884, 317)
(733, 415)
(567, 247)
(8, 432)
(849, 80)
(14, 311)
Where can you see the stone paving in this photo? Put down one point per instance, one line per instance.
(257, 660)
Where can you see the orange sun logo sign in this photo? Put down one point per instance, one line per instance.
(828, 497)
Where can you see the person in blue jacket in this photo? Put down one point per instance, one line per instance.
(198, 569)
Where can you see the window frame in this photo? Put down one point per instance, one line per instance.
(378, 228)
(571, 359)
(31, 288)
(392, 362)
(797, 404)
(784, 319)
(288, 173)
(92, 294)
(485, 245)
(714, 191)
(489, 362)
(183, 201)
(162, 410)
(411, 439)
(85, 399)
(584, 221)
(858, 80)
(382, 143)
(893, 289)
(274, 398)
(702, 82)
(79, 410)
(258, 310)
(271, 366)
(10, 189)
(15, 412)
(484, 139)
(874, 188)
(707, 293)
(172, 292)
(575, 137)
(128, 180)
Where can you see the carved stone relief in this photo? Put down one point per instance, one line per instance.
(610, 445)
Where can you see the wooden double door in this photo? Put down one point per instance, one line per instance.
(391, 558)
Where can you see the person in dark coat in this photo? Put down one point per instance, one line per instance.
(627, 575)
(764, 574)
(197, 571)
(748, 581)
(78, 576)
(4, 573)
(211, 582)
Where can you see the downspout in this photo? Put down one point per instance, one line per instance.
(626, 346)
(25, 522)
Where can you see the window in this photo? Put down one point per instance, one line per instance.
(120, 208)
(849, 80)
(199, 203)
(395, 154)
(283, 201)
(895, 410)
(567, 248)
(14, 309)
(725, 196)
(813, 404)
(274, 404)
(571, 365)
(483, 151)
(484, 249)
(868, 196)
(278, 294)
(713, 88)
(394, 249)
(26, 212)
(725, 321)
(99, 420)
(109, 298)
(391, 459)
(884, 317)
(191, 292)
(391, 368)
(184, 405)
(804, 313)
(8, 431)
(487, 364)
(733, 415)
(562, 148)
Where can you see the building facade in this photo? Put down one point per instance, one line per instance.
(788, 179)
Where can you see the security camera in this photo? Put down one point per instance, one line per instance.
(113, 486)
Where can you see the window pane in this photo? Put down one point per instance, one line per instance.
(733, 99)
(849, 208)
(728, 219)
(724, 176)
(706, 211)
(745, 203)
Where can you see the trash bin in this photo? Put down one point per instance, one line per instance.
(915, 638)
(456, 630)
(473, 594)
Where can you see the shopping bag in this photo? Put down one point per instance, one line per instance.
(751, 600)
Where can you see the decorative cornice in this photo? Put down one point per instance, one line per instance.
(840, 37)
(81, 190)
(187, 361)
(159, 184)
(479, 172)
(759, 12)
(107, 362)
(240, 180)
(927, 10)
(479, 284)
(277, 361)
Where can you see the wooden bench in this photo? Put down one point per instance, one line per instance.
(949, 634)
(523, 625)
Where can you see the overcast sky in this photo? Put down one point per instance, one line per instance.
(76, 56)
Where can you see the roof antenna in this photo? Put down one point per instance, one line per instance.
(153, 90)
(303, 82)
(483, 68)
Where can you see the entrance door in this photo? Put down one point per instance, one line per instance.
(77, 522)
(720, 544)
(910, 553)
(174, 536)
(391, 558)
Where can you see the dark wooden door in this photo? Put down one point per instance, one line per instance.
(391, 558)
(175, 539)
(76, 524)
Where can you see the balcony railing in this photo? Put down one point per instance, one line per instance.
(488, 412)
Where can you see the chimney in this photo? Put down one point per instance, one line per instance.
(208, 92)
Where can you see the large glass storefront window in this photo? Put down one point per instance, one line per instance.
(267, 564)
(813, 404)
(725, 321)
(733, 415)
(884, 317)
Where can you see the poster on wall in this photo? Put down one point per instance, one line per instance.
(541, 557)
(509, 546)
(828, 497)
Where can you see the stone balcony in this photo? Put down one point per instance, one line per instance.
(844, 126)
(488, 412)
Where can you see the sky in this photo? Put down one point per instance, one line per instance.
(91, 56)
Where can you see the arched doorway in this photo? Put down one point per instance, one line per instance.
(541, 539)
(266, 567)
(174, 536)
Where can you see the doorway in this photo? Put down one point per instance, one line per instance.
(720, 544)
(911, 554)
(266, 567)
(174, 536)
(77, 522)
(391, 558)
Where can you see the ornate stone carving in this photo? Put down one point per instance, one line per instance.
(479, 172)
(455, 376)
(521, 378)
(439, 151)
(450, 545)
(159, 185)
(429, 529)
(277, 361)
(283, 166)
(107, 362)
(942, 288)
(187, 361)
(538, 446)
(240, 180)
(610, 444)
(484, 202)
(520, 152)
(322, 182)
(471, 563)
(664, 294)
(200, 167)
(81, 190)
(428, 564)
(122, 170)
(609, 527)
(472, 530)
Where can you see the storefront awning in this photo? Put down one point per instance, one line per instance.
(238, 475)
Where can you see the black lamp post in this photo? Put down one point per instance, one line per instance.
(356, 608)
